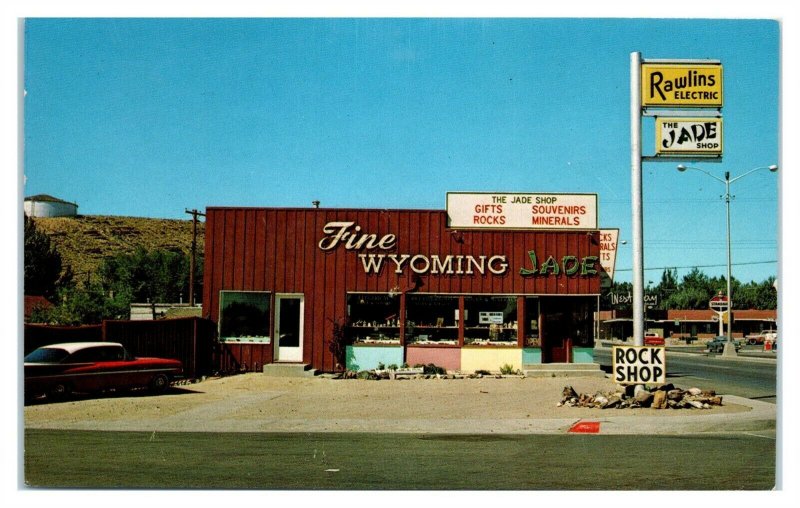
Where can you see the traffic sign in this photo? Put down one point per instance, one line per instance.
(719, 303)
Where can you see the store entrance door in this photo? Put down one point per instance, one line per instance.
(556, 342)
(289, 328)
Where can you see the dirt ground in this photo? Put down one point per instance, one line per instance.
(258, 403)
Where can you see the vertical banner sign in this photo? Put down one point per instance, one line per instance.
(684, 85)
(608, 256)
(689, 136)
(632, 365)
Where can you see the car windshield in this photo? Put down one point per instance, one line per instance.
(46, 355)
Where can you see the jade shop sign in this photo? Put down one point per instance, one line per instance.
(378, 253)
(502, 210)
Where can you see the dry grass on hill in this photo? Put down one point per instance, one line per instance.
(84, 241)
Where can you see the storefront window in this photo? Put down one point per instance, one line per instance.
(373, 318)
(244, 316)
(582, 322)
(532, 338)
(431, 319)
(490, 320)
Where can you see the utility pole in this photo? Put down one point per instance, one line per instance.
(194, 213)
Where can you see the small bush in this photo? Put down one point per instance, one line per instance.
(433, 369)
(507, 370)
(381, 366)
(392, 366)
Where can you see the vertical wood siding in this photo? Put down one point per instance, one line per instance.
(276, 250)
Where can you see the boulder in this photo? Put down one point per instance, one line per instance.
(612, 402)
(675, 394)
(659, 400)
(644, 398)
(694, 391)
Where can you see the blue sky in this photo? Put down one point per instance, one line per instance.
(148, 117)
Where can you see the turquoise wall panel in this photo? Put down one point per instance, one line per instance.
(367, 358)
(582, 355)
(531, 355)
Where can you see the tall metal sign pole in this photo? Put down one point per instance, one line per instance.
(636, 199)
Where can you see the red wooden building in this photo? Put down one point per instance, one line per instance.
(401, 284)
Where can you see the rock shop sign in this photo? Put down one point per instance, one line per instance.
(639, 365)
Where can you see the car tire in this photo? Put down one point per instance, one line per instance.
(60, 391)
(159, 383)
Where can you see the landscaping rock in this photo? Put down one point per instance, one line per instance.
(644, 398)
(659, 399)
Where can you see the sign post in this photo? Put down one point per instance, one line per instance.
(720, 304)
(662, 84)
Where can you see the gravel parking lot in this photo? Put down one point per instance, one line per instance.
(258, 403)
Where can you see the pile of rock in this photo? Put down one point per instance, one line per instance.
(661, 397)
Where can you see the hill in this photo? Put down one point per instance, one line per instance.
(84, 241)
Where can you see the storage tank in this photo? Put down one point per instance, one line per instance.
(43, 205)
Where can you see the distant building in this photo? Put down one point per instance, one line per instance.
(33, 303)
(150, 311)
(43, 205)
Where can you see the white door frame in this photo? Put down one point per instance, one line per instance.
(294, 353)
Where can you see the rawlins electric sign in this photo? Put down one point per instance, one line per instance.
(683, 85)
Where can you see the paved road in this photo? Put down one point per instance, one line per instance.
(368, 461)
(753, 378)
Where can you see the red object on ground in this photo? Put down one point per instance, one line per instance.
(585, 428)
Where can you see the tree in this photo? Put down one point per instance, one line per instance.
(82, 306)
(42, 264)
(156, 276)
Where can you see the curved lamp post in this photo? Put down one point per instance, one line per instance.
(729, 350)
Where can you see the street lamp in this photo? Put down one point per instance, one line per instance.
(728, 181)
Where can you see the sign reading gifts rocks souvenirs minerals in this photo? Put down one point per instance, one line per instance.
(498, 210)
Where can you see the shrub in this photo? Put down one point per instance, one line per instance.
(507, 369)
(392, 366)
(433, 369)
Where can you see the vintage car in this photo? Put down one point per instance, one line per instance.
(653, 339)
(92, 367)
(717, 344)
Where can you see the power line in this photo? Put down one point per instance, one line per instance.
(697, 266)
